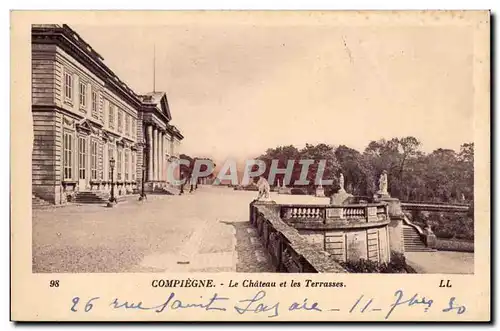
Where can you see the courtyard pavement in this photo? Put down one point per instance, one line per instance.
(441, 262)
(206, 231)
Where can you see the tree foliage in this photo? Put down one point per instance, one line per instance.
(317, 153)
(441, 176)
(186, 170)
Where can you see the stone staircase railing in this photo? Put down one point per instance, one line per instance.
(434, 206)
(428, 237)
(288, 250)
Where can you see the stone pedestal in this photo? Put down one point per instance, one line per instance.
(284, 190)
(253, 215)
(396, 225)
(340, 197)
(430, 240)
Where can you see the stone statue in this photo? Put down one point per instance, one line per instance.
(428, 227)
(264, 189)
(341, 183)
(382, 184)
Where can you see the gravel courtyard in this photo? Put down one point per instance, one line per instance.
(204, 231)
(193, 232)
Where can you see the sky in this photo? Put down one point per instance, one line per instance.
(235, 90)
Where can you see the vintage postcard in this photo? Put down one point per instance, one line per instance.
(250, 166)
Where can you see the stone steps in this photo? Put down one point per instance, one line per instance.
(169, 190)
(91, 197)
(413, 242)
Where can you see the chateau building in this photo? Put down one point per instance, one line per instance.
(84, 116)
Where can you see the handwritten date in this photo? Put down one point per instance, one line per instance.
(259, 304)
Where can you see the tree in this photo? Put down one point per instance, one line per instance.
(394, 156)
(281, 153)
(409, 147)
(320, 152)
(356, 174)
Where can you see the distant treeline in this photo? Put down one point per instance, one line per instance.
(444, 175)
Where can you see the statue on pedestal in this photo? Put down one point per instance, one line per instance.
(320, 191)
(341, 183)
(382, 184)
(264, 189)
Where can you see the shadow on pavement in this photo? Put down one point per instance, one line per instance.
(252, 256)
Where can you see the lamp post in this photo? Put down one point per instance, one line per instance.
(143, 195)
(112, 199)
(181, 177)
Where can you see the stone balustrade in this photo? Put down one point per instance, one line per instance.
(436, 207)
(345, 232)
(289, 252)
(333, 215)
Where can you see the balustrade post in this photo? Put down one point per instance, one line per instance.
(279, 258)
(265, 233)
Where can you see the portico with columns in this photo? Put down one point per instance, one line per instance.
(160, 139)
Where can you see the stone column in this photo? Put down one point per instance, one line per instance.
(157, 150)
(149, 138)
(396, 216)
(162, 156)
(167, 160)
(164, 162)
(155, 153)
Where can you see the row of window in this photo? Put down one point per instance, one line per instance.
(123, 118)
(125, 160)
(130, 123)
(82, 95)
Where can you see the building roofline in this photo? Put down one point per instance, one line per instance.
(70, 41)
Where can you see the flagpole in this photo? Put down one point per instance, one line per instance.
(154, 67)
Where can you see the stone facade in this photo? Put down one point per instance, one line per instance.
(161, 141)
(84, 115)
(347, 232)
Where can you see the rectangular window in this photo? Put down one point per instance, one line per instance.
(126, 165)
(133, 166)
(127, 125)
(119, 165)
(68, 86)
(101, 159)
(82, 157)
(134, 129)
(83, 95)
(68, 156)
(111, 155)
(95, 112)
(93, 155)
(111, 118)
(120, 121)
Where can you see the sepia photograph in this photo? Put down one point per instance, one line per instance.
(365, 160)
(250, 165)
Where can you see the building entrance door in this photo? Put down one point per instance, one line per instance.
(82, 164)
